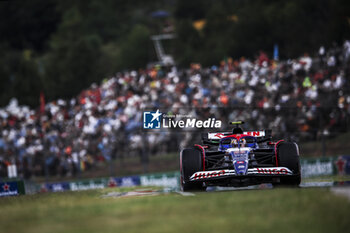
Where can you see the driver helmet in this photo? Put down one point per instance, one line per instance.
(243, 142)
(234, 143)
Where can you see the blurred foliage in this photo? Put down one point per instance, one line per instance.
(244, 27)
(61, 47)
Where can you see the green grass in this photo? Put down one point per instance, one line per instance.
(272, 210)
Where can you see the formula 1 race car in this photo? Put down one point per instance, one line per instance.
(239, 158)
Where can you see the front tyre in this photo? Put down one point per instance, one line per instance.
(288, 156)
(190, 162)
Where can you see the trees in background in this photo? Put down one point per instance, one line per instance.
(244, 27)
(61, 47)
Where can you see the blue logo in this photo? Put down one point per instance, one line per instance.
(151, 120)
(8, 189)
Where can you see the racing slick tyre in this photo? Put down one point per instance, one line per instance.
(190, 162)
(288, 156)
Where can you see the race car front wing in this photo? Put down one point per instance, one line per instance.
(263, 171)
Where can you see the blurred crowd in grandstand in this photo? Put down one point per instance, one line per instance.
(302, 98)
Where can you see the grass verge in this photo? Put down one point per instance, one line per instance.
(273, 210)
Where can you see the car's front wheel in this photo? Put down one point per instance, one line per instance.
(190, 162)
(288, 156)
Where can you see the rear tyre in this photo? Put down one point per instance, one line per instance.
(190, 162)
(288, 156)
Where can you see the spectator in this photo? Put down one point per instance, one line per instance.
(292, 97)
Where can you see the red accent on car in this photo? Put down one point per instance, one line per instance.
(199, 175)
(275, 171)
(203, 154)
(237, 136)
(276, 151)
(219, 135)
(253, 133)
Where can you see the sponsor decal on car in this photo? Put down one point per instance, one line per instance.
(251, 171)
(275, 171)
(224, 134)
(199, 175)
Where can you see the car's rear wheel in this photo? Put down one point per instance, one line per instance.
(288, 156)
(190, 162)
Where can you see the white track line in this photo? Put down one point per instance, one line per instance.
(186, 193)
(341, 191)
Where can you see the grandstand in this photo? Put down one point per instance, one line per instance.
(305, 98)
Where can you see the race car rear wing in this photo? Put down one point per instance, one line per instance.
(215, 136)
(219, 135)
